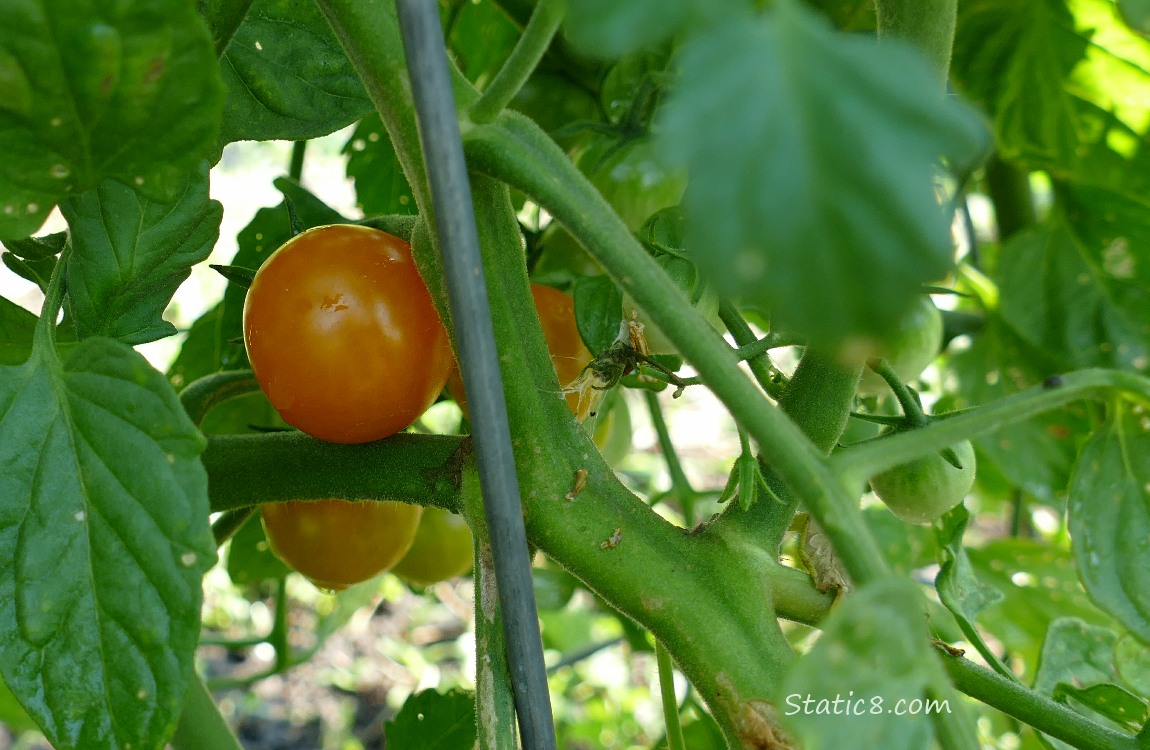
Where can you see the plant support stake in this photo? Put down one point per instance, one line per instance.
(479, 362)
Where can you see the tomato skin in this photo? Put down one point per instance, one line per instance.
(912, 346)
(923, 490)
(342, 334)
(442, 549)
(337, 543)
(569, 356)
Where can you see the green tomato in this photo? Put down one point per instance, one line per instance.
(441, 549)
(922, 490)
(910, 348)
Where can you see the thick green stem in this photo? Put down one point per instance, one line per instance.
(201, 724)
(1036, 710)
(532, 45)
(202, 395)
(927, 24)
(245, 470)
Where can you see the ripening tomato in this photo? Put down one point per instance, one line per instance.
(442, 549)
(342, 334)
(569, 356)
(337, 543)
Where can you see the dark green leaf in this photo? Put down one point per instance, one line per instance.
(434, 721)
(105, 536)
(1109, 517)
(287, 76)
(241, 277)
(906, 547)
(1078, 653)
(1115, 703)
(250, 561)
(1079, 311)
(1039, 585)
(204, 350)
(481, 37)
(131, 253)
(34, 258)
(554, 587)
(823, 179)
(380, 186)
(90, 91)
(1136, 14)
(16, 328)
(598, 311)
(958, 587)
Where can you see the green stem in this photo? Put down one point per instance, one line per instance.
(229, 522)
(868, 458)
(761, 366)
(675, 739)
(298, 152)
(1036, 710)
(245, 470)
(927, 24)
(515, 150)
(201, 724)
(911, 408)
(202, 395)
(680, 485)
(529, 50)
(1009, 189)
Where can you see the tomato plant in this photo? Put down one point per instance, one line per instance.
(442, 549)
(342, 334)
(336, 543)
(801, 172)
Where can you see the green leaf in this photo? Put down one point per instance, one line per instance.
(287, 76)
(873, 658)
(250, 560)
(1132, 663)
(1115, 703)
(380, 186)
(598, 311)
(958, 587)
(823, 179)
(127, 91)
(1108, 516)
(481, 37)
(1083, 307)
(434, 721)
(204, 350)
(34, 258)
(605, 28)
(16, 328)
(1039, 585)
(130, 254)
(101, 587)
(554, 587)
(1080, 654)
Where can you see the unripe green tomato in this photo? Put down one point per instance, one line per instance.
(924, 489)
(441, 549)
(613, 431)
(633, 179)
(913, 345)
